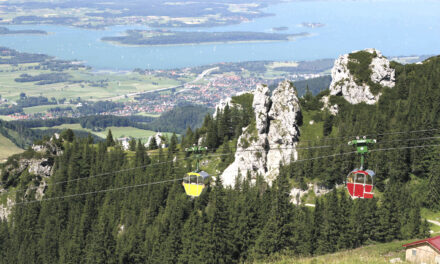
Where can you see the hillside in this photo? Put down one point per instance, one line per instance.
(7, 148)
(372, 254)
(75, 200)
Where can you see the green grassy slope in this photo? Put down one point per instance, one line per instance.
(7, 148)
(372, 254)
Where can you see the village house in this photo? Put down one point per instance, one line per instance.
(424, 251)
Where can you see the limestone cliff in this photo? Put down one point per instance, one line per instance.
(271, 138)
(35, 165)
(359, 76)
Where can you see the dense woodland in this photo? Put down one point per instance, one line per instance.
(176, 120)
(156, 222)
(45, 62)
(160, 224)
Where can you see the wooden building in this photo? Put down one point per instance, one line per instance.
(424, 251)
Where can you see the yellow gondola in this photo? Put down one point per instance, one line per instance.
(194, 183)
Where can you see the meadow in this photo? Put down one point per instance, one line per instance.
(117, 132)
(371, 254)
(7, 148)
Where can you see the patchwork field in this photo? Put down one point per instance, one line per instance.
(81, 83)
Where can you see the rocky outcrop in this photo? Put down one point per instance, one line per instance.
(261, 105)
(251, 146)
(271, 139)
(283, 130)
(344, 83)
(49, 147)
(5, 209)
(333, 109)
(227, 101)
(296, 193)
(160, 140)
(39, 168)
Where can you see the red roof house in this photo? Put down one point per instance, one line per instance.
(424, 251)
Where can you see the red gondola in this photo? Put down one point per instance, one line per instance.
(360, 183)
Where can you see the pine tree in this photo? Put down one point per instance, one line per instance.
(68, 135)
(217, 247)
(277, 232)
(173, 144)
(153, 143)
(109, 139)
(132, 145)
(4, 239)
(90, 139)
(433, 196)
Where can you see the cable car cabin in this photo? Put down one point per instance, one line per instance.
(360, 184)
(194, 183)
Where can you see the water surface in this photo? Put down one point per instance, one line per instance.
(396, 27)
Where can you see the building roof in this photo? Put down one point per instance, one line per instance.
(433, 241)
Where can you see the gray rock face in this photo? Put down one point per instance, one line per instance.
(261, 105)
(251, 153)
(296, 194)
(48, 147)
(272, 139)
(221, 105)
(40, 168)
(159, 140)
(343, 82)
(283, 131)
(333, 109)
(5, 209)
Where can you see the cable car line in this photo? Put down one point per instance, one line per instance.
(173, 180)
(374, 135)
(99, 191)
(410, 147)
(205, 156)
(299, 160)
(314, 158)
(334, 138)
(409, 139)
(98, 175)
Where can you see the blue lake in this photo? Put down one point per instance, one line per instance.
(396, 27)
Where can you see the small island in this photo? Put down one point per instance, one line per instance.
(167, 37)
(6, 31)
(312, 25)
(280, 28)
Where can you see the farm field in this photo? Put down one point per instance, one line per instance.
(80, 83)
